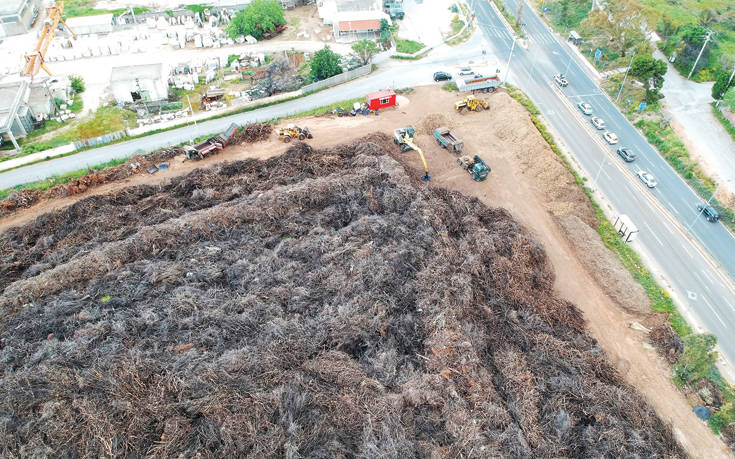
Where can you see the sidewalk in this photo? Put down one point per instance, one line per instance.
(688, 105)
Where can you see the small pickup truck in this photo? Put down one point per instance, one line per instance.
(446, 139)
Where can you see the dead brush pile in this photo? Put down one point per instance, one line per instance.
(135, 165)
(316, 304)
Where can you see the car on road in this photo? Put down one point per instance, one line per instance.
(585, 108)
(647, 178)
(627, 154)
(561, 80)
(599, 123)
(466, 71)
(709, 212)
(610, 138)
(442, 76)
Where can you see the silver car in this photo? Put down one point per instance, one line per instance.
(585, 108)
(599, 123)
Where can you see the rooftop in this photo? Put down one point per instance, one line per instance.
(364, 24)
(11, 94)
(10, 6)
(89, 20)
(132, 72)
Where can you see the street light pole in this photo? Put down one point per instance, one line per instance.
(706, 40)
(507, 67)
(625, 77)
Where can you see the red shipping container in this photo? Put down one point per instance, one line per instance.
(381, 99)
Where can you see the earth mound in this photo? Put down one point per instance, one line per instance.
(317, 304)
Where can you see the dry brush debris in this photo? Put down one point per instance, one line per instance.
(316, 304)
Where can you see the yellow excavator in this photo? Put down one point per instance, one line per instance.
(404, 139)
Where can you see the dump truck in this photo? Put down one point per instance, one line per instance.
(404, 138)
(471, 103)
(394, 8)
(476, 167)
(291, 131)
(484, 84)
(446, 139)
(212, 144)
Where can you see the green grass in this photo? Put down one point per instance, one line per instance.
(406, 58)
(510, 18)
(408, 46)
(724, 121)
(77, 8)
(345, 105)
(450, 86)
(198, 8)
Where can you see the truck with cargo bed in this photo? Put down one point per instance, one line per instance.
(484, 84)
(446, 139)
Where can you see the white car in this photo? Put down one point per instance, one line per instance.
(561, 80)
(585, 108)
(647, 178)
(610, 137)
(599, 123)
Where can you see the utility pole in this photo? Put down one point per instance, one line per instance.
(192, 117)
(625, 77)
(520, 12)
(507, 67)
(722, 96)
(706, 40)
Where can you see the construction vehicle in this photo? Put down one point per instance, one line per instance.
(211, 145)
(483, 84)
(394, 9)
(446, 139)
(35, 60)
(471, 103)
(294, 132)
(404, 138)
(476, 167)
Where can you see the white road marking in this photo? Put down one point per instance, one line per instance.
(653, 233)
(714, 312)
(731, 306)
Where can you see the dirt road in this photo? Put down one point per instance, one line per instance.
(532, 184)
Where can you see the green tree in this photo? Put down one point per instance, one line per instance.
(384, 31)
(698, 357)
(324, 64)
(77, 84)
(621, 22)
(258, 17)
(721, 84)
(365, 50)
(648, 69)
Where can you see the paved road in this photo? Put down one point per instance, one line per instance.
(415, 73)
(670, 229)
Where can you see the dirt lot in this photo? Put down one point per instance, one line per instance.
(305, 20)
(526, 179)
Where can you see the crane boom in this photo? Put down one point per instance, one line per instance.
(404, 138)
(35, 60)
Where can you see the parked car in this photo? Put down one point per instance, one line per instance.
(647, 178)
(585, 108)
(599, 123)
(561, 80)
(466, 71)
(610, 137)
(709, 212)
(627, 154)
(442, 76)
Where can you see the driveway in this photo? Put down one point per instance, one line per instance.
(688, 105)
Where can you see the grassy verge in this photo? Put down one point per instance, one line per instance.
(510, 18)
(724, 121)
(77, 8)
(408, 46)
(345, 105)
(450, 86)
(457, 23)
(406, 58)
(694, 354)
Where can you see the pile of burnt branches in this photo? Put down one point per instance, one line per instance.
(137, 164)
(316, 304)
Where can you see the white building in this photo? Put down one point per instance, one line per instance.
(148, 83)
(87, 25)
(352, 20)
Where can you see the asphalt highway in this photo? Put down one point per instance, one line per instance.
(696, 257)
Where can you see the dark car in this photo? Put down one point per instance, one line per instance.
(627, 154)
(709, 212)
(441, 76)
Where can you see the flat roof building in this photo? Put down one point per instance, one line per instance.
(17, 16)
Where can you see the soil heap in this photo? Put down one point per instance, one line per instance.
(317, 304)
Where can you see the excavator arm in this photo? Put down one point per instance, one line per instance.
(408, 141)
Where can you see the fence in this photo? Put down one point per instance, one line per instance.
(337, 79)
(101, 140)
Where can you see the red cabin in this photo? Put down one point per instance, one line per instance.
(381, 99)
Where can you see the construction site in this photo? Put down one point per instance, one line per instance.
(418, 283)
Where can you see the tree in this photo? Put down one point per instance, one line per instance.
(698, 357)
(259, 17)
(693, 38)
(325, 64)
(77, 84)
(384, 30)
(721, 84)
(621, 21)
(648, 69)
(365, 50)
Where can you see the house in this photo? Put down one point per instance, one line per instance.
(17, 16)
(16, 118)
(354, 26)
(381, 99)
(88, 25)
(147, 83)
